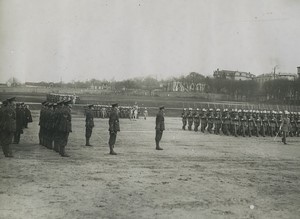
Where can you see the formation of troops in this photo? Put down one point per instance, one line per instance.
(130, 112)
(14, 117)
(55, 125)
(242, 122)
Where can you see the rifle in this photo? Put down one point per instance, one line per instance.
(277, 132)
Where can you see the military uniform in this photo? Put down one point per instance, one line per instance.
(184, 118)
(159, 126)
(285, 125)
(203, 120)
(114, 128)
(190, 119)
(89, 124)
(218, 122)
(64, 128)
(244, 125)
(7, 126)
(20, 115)
(273, 125)
(210, 121)
(235, 125)
(226, 123)
(196, 120)
(251, 125)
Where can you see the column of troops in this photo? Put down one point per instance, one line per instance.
(55, 125)
(104, 111)
(241, 122)
(14, 117)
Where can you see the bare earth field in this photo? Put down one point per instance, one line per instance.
(195, 176)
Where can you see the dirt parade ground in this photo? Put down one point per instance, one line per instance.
(196, 175)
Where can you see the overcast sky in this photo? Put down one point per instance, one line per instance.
(42, 40)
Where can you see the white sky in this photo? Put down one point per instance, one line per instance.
(42, 40)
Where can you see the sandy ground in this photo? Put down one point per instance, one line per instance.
(195, 176)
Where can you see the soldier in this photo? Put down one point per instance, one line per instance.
(258, 123)
(293, 122)
(203, 120)
(19, 123)
(298, 125)
(7, 125)
(64, 127)
(190, 119)
(265, 124)
(196, 120)
(285, 126)
(41, 123)
(184, 118)
(145, 113)
(28, 117)
(89, 124)
(210, 121)
(114, 128)
(56, 120)
(160, 126)
(226, 123)
(244, 125)
(273, 124)
(235, 125)
(251, 125)
(218, 121)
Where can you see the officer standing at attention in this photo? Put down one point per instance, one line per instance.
(64, 127)
(89, 124)
(114, 128)
(160, 126)
(7, 125)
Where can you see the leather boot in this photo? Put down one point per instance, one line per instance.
(87, 142)
(157, 146)
(111, 150)
(62, 152)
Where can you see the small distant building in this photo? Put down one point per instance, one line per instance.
(233, 75)
(271, 76)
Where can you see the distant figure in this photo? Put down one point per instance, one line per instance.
(160, 126)
(7, 125)
(89, 124)
(28, 117)
(145, 113)
(114, 128)
(285, 125)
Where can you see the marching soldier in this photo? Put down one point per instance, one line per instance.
(203, 120)
(235, 124)
(285, 125)
(7, 125)
(258, 123)
(196, 120)
(251, 125)
(190, 119)
(114, 128)
(184, 118)
(89, 124)
(145, 113)
(244, 125)
(273, 124)
(210, 121)
(226, 123)
(265, 124)
(218, 122)
(159, 127)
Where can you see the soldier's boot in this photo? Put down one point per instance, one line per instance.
(111, 150)
(63, 152)
(157, 146)
(4, 149)
(9, 151)
(87, 142)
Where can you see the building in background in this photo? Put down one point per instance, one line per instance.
(233, 75)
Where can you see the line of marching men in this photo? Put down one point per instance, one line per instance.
(55, 125)
(14, 117)
(241, 122)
